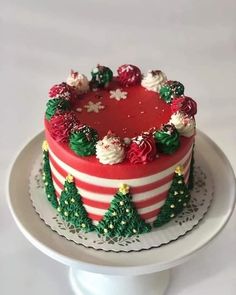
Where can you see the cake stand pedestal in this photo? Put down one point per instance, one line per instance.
(95, 272)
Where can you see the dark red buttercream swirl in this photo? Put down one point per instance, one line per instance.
(129, 75)
(185, 105)
(142, 150)
(62, 124)
(63, 90)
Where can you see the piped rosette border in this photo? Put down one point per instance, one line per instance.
(84, 140)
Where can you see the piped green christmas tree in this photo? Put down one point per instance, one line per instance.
(47, 177)
(191, 174)
(178, 198)
(122, 218)
(71, 207)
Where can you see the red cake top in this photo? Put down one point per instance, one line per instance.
(131, 116)
(127, 111)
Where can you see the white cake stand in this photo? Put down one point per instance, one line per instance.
(136, 273)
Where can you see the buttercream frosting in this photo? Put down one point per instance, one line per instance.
(154, 80)
(184, 124)
(110, 150)
(78, 81)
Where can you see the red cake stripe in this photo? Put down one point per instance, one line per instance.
(91, 166)
(111, 191)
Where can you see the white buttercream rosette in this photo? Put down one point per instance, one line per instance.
(154, 80)
(79, 81)
(110, 150)
(184, 124)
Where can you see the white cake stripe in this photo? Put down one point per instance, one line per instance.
(106, 198)
(134, 182)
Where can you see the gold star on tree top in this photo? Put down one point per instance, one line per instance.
(179, 170)
(124, 189)
(69, 178)
(45, 146)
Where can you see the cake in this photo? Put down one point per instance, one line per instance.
(118, 150)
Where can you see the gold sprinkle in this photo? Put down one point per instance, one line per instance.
(179, 170)
(46, 183)
(69, 178)
(45, 146)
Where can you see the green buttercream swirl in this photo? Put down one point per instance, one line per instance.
(83, 141)
(56, 104)
(101, 76)
(48, 183)
(72, 210)
(167, 139)
(177, 199)
(122, 219)
(170, 90)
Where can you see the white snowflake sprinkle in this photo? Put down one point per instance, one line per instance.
(118, 94)
(94, 107)
(79, 110)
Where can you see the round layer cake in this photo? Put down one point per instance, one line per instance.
(130, 130)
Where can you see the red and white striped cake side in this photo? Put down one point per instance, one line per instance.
(148, 193)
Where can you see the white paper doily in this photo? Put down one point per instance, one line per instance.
(201, 197)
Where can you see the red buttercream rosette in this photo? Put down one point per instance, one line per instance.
(63, 90)
(184, 104)
(129, 75)
(62, 124)
(142, 149)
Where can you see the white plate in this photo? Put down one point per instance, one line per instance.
(135, 263)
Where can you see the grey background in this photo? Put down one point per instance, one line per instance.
(191, 41)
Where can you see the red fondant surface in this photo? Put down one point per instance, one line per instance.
(140, 111)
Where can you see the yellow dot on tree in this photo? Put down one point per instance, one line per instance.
(59, 209)
(76, 214)
(114, 214)
(181, 192)
(69, 178)
(172, 215)
(179, 170)
(124, 189)
(172, 206)
(66, 202)
(179, 200)
(121, 203)
(127, 210)
(175, 193)
(105, 230)
(123, 222)
(83, 225)
(184, 204)
(66, 213)
(180, 181)
(134, 230)
(72, 200)
(45, 146)
(111, 226)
